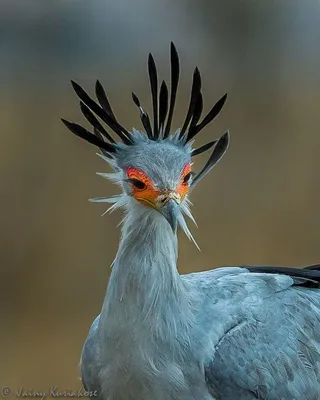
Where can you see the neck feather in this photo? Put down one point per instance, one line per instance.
(145, 287)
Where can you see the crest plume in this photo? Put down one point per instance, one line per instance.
(163, 109)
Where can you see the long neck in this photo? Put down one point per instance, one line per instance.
(145, 288)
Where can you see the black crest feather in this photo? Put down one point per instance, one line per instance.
(197, 110)
(88, 136)
(97, 109)
(94, 122)
(220, 148)
(154, 92)
(203, 148)
(194, 129)
(175, 71)
(143, 116)
(103, 99)
(163, 109)
(195, 90)
(163, 106)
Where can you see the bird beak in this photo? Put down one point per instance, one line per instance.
(170, 209)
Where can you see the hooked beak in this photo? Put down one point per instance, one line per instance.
(170, 209)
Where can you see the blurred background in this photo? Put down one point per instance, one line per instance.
(259, 206)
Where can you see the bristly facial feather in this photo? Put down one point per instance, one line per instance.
(152, 168)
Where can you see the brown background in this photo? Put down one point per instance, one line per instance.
(259, 206)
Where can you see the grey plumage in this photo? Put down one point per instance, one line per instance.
(229, 333)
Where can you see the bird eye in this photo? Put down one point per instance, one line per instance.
(187, 177)
(138, 184)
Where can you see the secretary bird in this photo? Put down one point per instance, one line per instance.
(232, 333)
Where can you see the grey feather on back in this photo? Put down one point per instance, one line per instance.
(278, 336)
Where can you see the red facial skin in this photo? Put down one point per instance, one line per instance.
(149, 193)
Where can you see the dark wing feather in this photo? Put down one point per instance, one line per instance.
(315, 267)
(308, 276)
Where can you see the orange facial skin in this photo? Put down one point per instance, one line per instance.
(183, 187)
(149, 194)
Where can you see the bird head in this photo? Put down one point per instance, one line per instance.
(153, 166)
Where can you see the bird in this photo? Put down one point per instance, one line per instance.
(233, 332)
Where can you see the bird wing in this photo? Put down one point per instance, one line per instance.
(89, 362)
(307, 276)
(265, 333)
